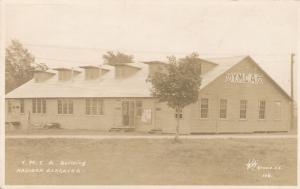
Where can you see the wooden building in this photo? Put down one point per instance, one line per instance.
(236, 96)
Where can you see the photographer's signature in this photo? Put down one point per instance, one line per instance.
(255, 165)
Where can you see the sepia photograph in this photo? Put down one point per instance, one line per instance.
(143, 93)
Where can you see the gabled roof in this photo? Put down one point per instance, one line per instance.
(104, 86)
(109, 86)
(223, 64)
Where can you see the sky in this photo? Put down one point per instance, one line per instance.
(72, 33)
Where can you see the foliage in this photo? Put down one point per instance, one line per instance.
(179, 85)
(19, 66)
(112, 58)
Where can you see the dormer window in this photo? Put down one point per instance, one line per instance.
(93, 72)
(125, 70)
(40, 76)
(65, 74)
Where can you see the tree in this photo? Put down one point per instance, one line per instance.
(112, 58)
(19, 66)
(179, 85)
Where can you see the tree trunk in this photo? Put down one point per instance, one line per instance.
(177, 130)
(177, 125)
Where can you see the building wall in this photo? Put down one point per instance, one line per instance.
(112, 116)
(234, 92)
(166, 121)
(163, 117)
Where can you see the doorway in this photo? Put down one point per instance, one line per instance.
(128, 113)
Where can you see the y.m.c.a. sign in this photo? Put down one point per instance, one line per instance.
(251, 78)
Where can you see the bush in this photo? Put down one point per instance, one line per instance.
(52, 126)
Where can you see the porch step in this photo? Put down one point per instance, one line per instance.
(121, 129)
(155, 131)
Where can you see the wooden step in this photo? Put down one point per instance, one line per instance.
(121, 129)
(155, 131)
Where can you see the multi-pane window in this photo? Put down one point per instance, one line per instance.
(94, 106)
(262, 109)
(223, 108)
(277, 110)
(204, 108)
(139, 108)
(243, 109)
(64, 106)
(22, 106)
(39, 105)
(9, 106)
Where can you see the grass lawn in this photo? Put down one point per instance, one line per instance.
(154, 161)
(67, 132)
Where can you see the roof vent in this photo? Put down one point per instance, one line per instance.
(155, 67)
(125, 70)
(65, 74)
(93, 72)
(40, 76)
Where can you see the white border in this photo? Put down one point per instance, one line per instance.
(2, 122)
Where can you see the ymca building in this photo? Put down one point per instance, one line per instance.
(236, 96)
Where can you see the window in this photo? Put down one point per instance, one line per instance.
(277, 110)
(22, 107)
(44, 106)
(9, 108)
(204, 108)
(243, 109)
(139, 108)
(64, 75)
(33, 105)
(59, 106)
(92, 73)
(39, 105)
(262, 109)
(223, 108)
(65, 106)
(70, 106)
(94, 106)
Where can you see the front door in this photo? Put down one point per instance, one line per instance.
(128, 113)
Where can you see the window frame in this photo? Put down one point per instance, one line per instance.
(94, 106)
(9, 106)
(259, 110)
(39, 106)
(139, 108)
(243, 108)
(223, 109)
(204, 108)
(65, 106)
(22, 106)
